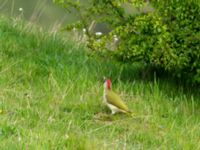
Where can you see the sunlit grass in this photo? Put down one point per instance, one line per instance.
(51, 98)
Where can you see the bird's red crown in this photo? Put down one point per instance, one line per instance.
(108, 84)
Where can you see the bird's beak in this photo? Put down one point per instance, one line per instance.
(104, 79)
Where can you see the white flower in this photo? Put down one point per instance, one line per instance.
(20, 9)
(74, 29)
(84, 30)
(115, 38)
(98, 33)
(66, 136)
(19, 138)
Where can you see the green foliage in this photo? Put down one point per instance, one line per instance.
(6, 131)
(167, 37)
(182, 19)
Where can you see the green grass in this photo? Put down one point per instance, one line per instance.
(51, 98)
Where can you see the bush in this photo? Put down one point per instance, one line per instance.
(167, 36)
(182, 19)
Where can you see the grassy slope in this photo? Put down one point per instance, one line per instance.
(51, 98)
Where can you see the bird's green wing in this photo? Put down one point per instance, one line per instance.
(115, 100)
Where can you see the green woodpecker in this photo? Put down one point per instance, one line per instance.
(112, 100)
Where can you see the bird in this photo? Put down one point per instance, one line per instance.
(113, 100)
